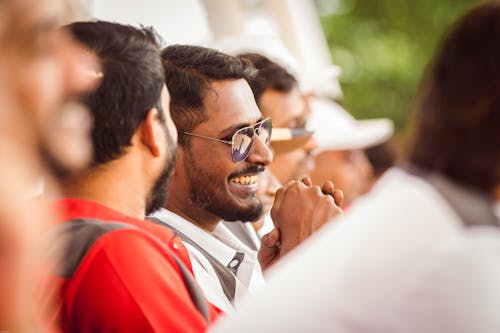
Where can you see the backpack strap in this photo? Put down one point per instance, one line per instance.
(226, 277)
(473, 208)
(78, 237)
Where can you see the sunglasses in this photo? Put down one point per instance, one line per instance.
(242, 140)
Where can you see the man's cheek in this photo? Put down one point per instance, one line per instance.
(42, 85)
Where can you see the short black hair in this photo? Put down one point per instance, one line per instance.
(270, 75)
(189, 72)
(131, 85)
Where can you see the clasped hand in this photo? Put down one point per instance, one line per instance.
(299, 209)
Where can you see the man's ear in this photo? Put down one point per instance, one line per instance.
(152, 131)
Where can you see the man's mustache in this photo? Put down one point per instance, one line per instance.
(249, 169)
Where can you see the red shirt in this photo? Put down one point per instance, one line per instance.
(127, 281)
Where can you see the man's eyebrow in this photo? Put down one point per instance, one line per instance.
(236, 127)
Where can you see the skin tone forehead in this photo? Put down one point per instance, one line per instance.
(4, 12)
(33, 21)
(285, 109)
(230, 105)
(36, 13)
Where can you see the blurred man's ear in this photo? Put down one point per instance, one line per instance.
(152, 132)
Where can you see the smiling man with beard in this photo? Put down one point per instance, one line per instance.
(120, 272)
(223, 147)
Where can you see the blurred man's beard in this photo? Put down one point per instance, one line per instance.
(158, 194)
(56, 168)
(65, 143)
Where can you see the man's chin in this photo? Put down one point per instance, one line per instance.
(246, 213)
(59, 169)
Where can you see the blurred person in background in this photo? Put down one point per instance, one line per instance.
(341, 139)
(268, 186)
(278, 96)
(44, 131)
(421, 251)
(382, 157)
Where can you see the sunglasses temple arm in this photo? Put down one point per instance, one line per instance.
(206, 137)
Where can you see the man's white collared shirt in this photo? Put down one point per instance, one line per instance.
(224, 246)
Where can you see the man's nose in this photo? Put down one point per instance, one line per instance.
(310, 145)
(260, 153)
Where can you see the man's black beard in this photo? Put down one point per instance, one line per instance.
(158, 194)
(205, 200)
(204, 195)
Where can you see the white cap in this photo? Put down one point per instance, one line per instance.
(321, 81)
(335, 129)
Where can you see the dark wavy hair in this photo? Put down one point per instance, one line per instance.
(270, 75)
(189, 73)
(457, 120)
(131, 85)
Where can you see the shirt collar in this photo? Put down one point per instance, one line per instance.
(222, 244)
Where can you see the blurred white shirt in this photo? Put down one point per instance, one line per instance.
(400, 260)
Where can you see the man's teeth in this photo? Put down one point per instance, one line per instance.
(245, 180)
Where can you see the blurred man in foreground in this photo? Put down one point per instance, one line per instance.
(43, 132)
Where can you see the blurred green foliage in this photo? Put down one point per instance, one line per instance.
(383, 47)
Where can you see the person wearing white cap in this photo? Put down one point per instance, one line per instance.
(341, 139)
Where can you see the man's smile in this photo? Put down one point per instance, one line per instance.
(244, 180)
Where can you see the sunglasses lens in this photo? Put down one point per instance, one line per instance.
(264, 131)
(242, 144)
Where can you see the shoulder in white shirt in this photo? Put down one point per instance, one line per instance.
(227, 249)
